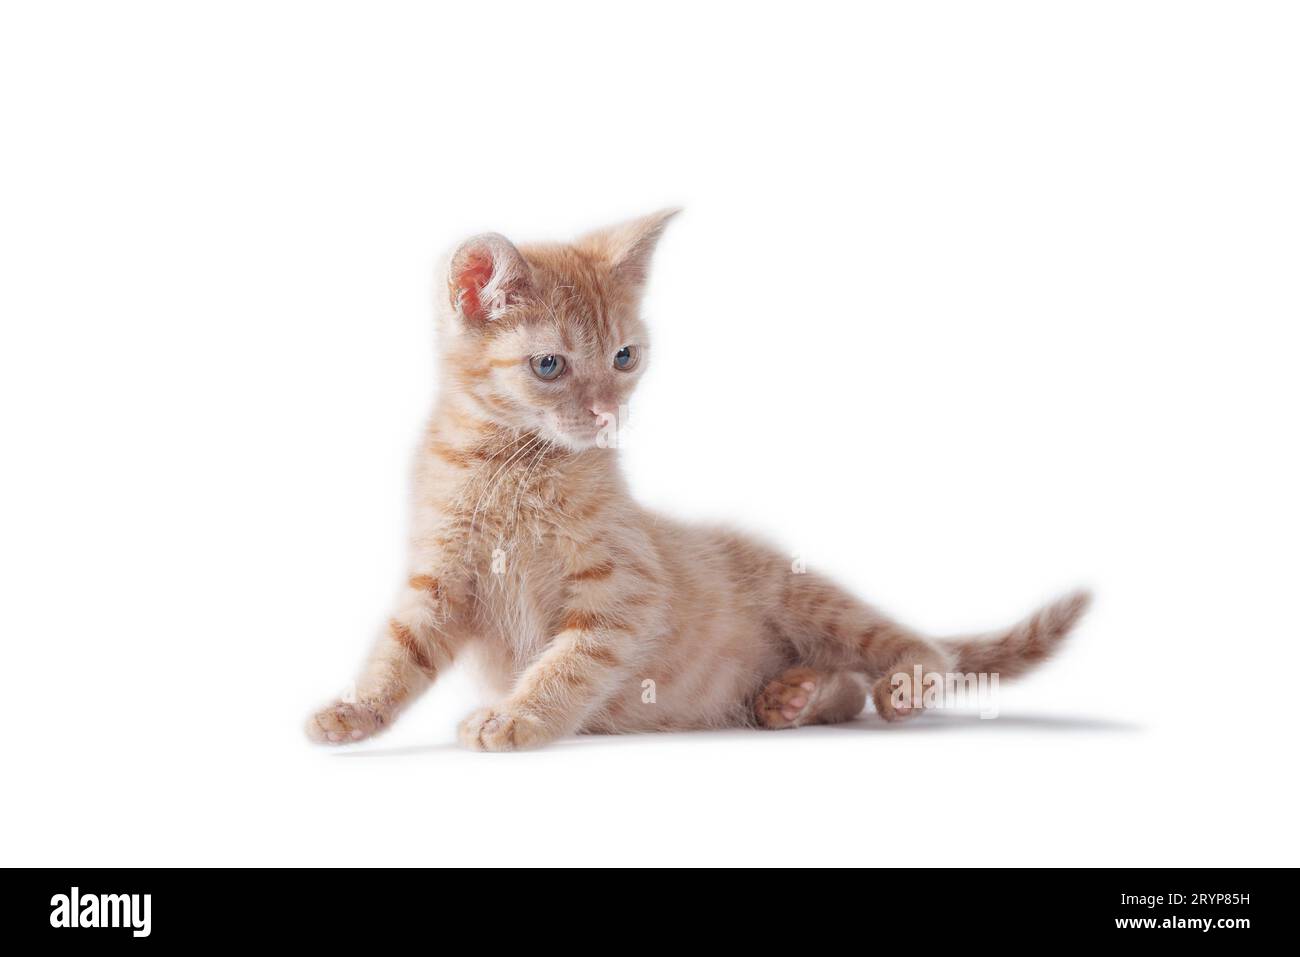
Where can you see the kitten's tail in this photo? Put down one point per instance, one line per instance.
(1017, 649)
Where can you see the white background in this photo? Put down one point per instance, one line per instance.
(971, 303)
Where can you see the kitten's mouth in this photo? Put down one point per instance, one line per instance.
(581, 434)
(580, 439)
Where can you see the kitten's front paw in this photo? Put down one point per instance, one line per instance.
(491, 730)
(344, 722)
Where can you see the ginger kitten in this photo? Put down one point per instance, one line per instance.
(527, 549)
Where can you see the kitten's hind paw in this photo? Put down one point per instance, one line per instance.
(882, 696)
(344, 722)
(789, 700)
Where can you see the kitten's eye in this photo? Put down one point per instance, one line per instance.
(547, 367)
(625, 358)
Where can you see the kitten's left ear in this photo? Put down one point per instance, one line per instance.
(629, 246)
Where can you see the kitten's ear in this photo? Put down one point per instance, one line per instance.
(629, 246)
(485, 275)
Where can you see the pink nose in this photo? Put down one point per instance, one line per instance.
(601, 412)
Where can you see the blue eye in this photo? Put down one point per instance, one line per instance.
(547, 367)
(625, 358)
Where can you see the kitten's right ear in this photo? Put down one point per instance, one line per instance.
(486, 274)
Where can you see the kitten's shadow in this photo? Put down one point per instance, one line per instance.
(928, 723)
(971, 721)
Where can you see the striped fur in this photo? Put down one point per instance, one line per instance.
(588, 612)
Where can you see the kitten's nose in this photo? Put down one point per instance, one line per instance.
(603, 413)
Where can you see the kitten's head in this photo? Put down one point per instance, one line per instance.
(549, 337)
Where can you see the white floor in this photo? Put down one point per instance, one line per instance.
(1038, 785)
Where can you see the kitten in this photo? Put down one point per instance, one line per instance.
(527, 549)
